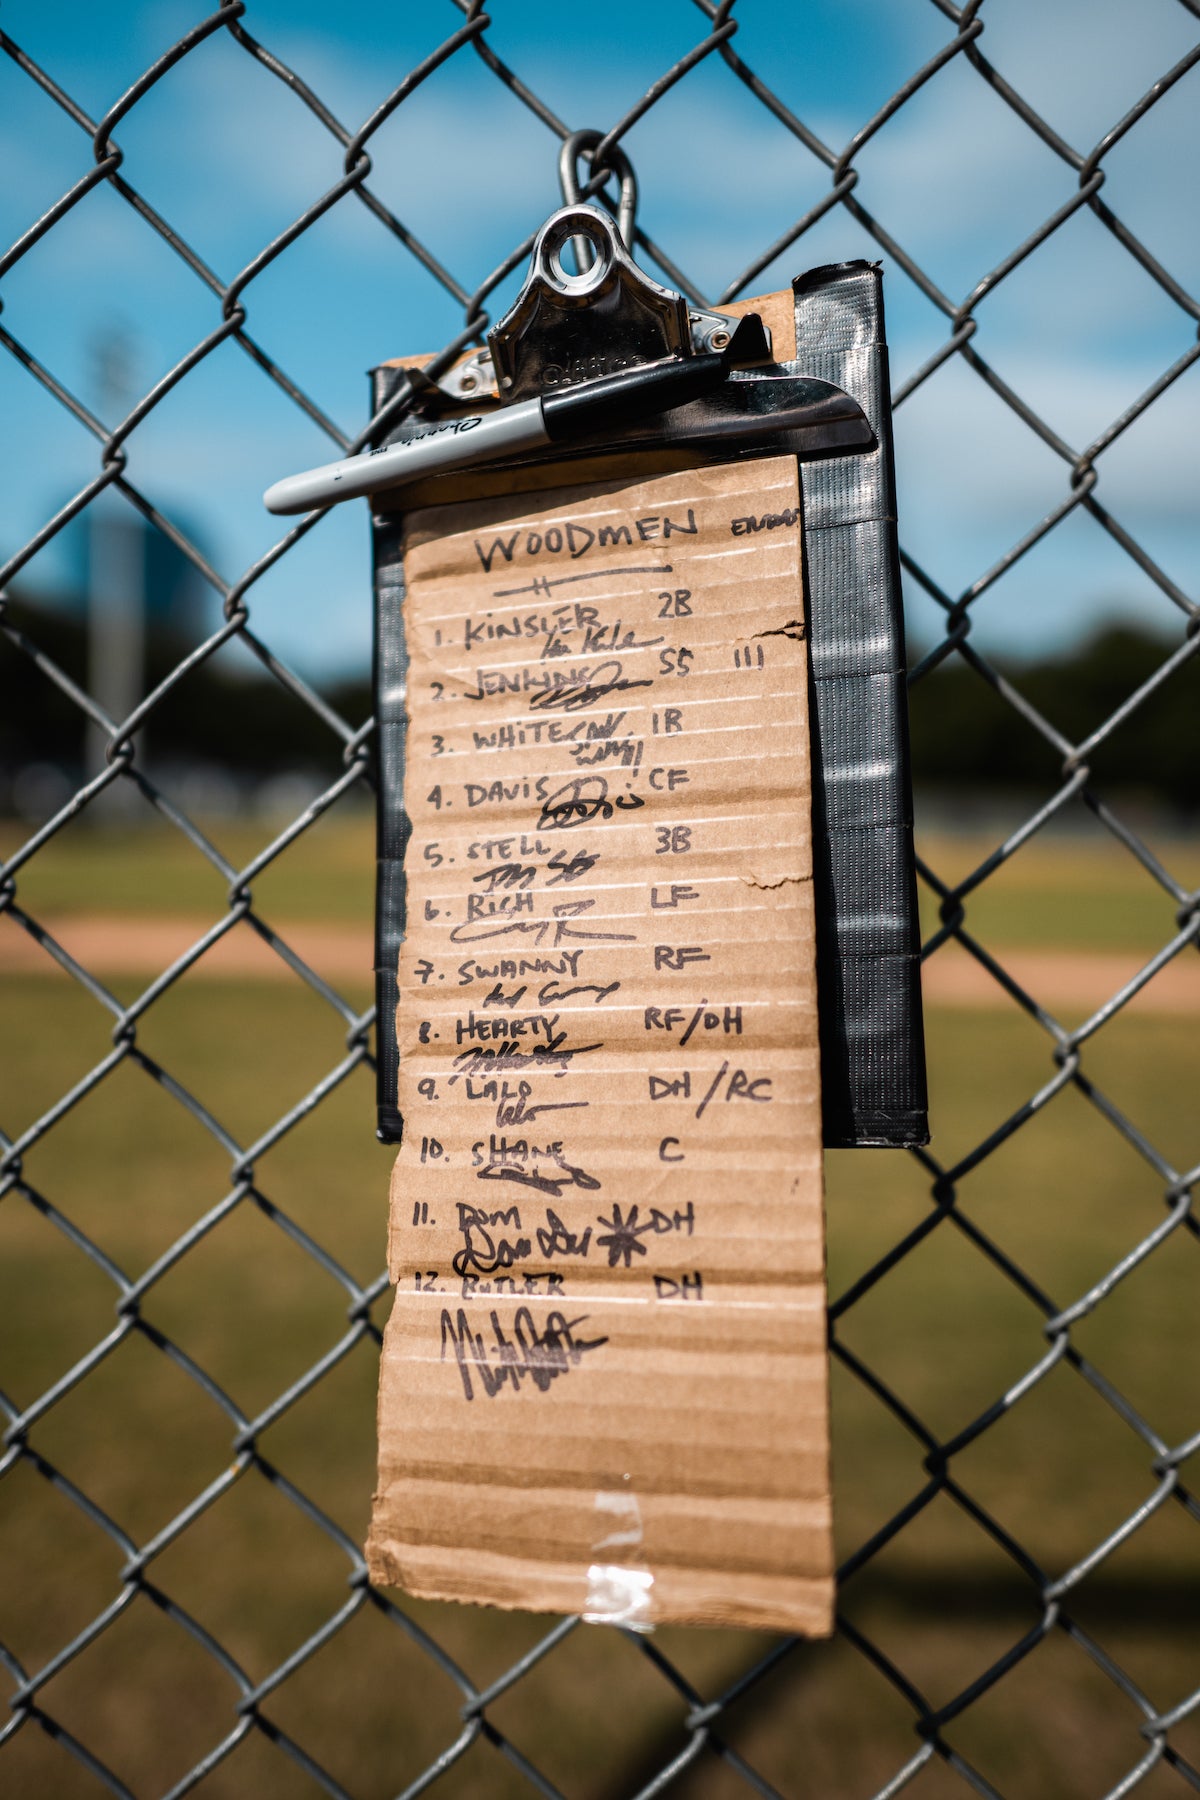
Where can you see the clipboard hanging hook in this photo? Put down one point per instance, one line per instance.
(581, 144)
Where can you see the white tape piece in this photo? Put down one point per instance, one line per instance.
(618, 1596)
(626, 1516)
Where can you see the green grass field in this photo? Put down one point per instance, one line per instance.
(155, 872)
(1067, 1198)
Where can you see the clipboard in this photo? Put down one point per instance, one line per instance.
(830, 328)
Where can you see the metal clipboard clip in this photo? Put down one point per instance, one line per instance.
(599, 360)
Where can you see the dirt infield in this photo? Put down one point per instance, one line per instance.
(1070, 984)
(142, 948)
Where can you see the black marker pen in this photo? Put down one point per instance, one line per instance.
(597, 406)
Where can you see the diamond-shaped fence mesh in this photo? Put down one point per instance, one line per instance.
(193, 1210)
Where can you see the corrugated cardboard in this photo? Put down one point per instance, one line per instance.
(604, 1378)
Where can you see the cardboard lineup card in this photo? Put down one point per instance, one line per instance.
(604, 1379)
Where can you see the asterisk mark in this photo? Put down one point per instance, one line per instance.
(622, 1238)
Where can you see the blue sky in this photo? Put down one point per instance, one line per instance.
(230, 156)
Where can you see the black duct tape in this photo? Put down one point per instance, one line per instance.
(868, 943)
(868, 938)
(393, 828)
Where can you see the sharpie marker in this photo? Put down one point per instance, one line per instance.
(597, 406)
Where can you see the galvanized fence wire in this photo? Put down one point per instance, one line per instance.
(1054, 1319)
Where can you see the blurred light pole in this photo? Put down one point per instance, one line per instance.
(116, 581)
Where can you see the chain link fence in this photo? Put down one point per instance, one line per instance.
(188, 1609)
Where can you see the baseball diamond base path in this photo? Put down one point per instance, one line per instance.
(1067, 982)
